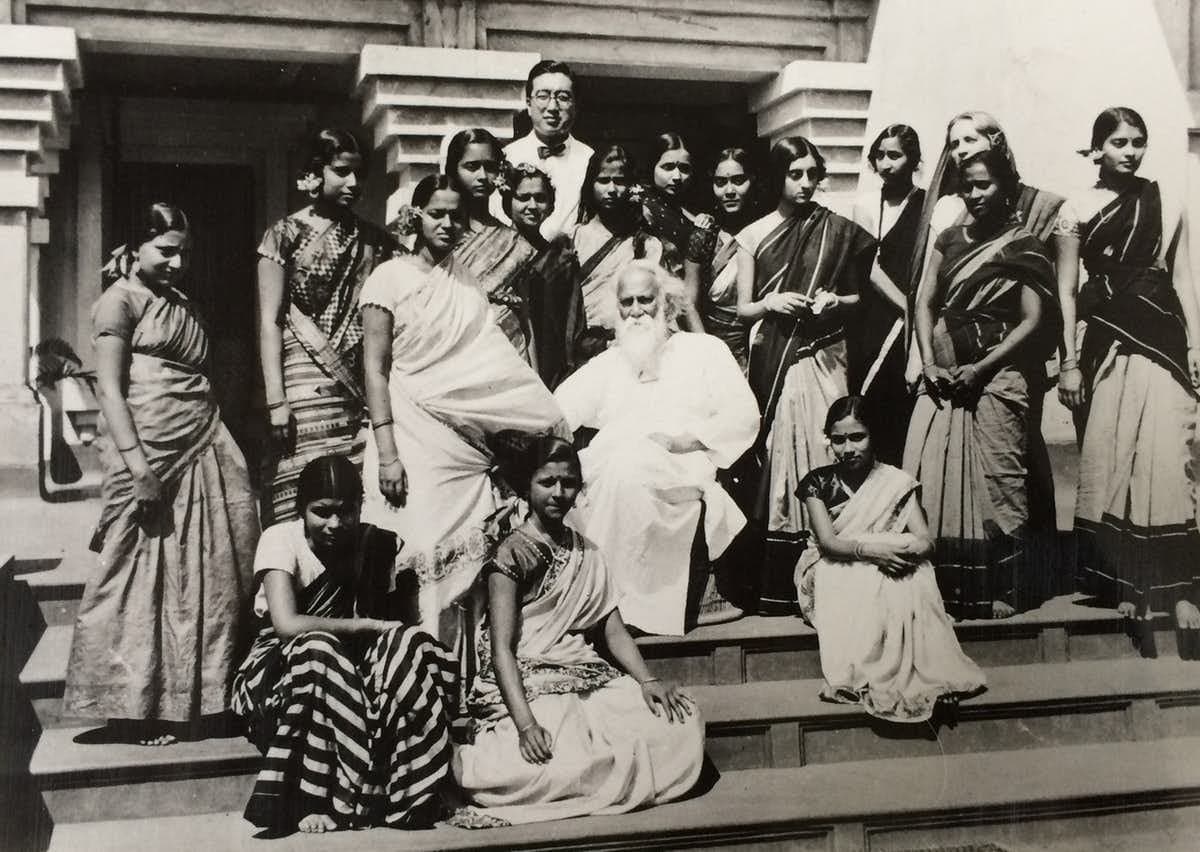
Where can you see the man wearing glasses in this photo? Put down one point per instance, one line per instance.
(550, 101)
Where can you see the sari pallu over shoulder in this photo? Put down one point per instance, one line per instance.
(983, 284)
(170, 400)
(803, 254)
(1129, 297)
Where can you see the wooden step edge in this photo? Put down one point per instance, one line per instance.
(749, 804)
(54, 578)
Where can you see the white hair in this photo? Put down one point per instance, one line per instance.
(672, 293)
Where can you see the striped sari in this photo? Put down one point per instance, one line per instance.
(718, 307)
(1135, 509)
(350, 727)
(497, 257)
(325, 264)
(797, 370)
(971, 455)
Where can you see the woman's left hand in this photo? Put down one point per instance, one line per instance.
(704, 222)
(1193, 357)
(657, 694)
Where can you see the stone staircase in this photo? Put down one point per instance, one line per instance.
(1076, 744)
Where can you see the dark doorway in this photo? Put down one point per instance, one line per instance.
(219, 202)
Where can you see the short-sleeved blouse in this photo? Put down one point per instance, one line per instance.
(824, 484)
(284, 547)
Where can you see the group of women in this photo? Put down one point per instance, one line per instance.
(899, 357)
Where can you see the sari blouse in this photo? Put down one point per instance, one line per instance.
(682, 240)
(325, 264)
(563, 592)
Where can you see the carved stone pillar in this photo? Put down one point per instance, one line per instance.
(39, 66)
(415, 97)
(826, 102)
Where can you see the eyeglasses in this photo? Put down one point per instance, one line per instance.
(543, 98)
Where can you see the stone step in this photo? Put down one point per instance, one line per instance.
(757, 648)
(749, 726)
(784, 647)
(56, 584)
(901, 803)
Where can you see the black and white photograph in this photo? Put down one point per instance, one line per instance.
(599, 425)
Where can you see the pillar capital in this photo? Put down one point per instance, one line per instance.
(39, 68)
(826, 102)
(414, 97)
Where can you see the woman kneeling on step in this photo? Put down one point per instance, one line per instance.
(350, 710)
(559, 732)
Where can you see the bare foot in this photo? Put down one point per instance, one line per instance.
(1187, 615)
(159, 740)
(1126, 609)
(1002, 610)
(317, 824)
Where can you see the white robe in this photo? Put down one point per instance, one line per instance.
(641, 504)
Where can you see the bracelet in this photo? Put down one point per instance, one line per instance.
(1068, 364)
(128, 449)
(271, 406)
(393, 461)
(527, 727)
(379, 424)
(648, 680)
(927, 364)
(858, 550)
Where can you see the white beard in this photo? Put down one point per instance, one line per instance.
(640, 340)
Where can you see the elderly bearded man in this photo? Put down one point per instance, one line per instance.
(672, 408)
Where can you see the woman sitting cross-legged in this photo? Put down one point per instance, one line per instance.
(559, 731)
(351, 711)
(867, 586)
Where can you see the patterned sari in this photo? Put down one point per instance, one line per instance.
(325, 264)
(797, 370)
(886, 642)
(497, 256)
(611, 755)
(682, 240)
(1135, 509)
(352, 727)
(160, 621)
(971, 455)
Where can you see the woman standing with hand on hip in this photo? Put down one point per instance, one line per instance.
(157, 633)
(311, 268)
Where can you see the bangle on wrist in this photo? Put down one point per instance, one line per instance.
(648, 680)
(128, 449)
(521, 730)
(858, 550)
(928, 364)
(271, 406)
(386, 463)
(1068, 364)
(379, 424)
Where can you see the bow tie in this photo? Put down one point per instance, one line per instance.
(547, 151)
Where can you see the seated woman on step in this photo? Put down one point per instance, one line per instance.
(350, 710)
(866, 584)
(559, 731)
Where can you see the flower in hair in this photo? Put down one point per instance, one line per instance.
(406, 220)
(309, 182)
(636, 193)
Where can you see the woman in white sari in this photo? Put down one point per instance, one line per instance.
(442, 379)
(866, 584)
(560, 732)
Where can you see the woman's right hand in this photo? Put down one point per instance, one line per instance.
(147, 492)
(788, 304)
(937, 381)
(1071, 391)
(283, 425)
(535, 742)
(393, 482)
(893, 561)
